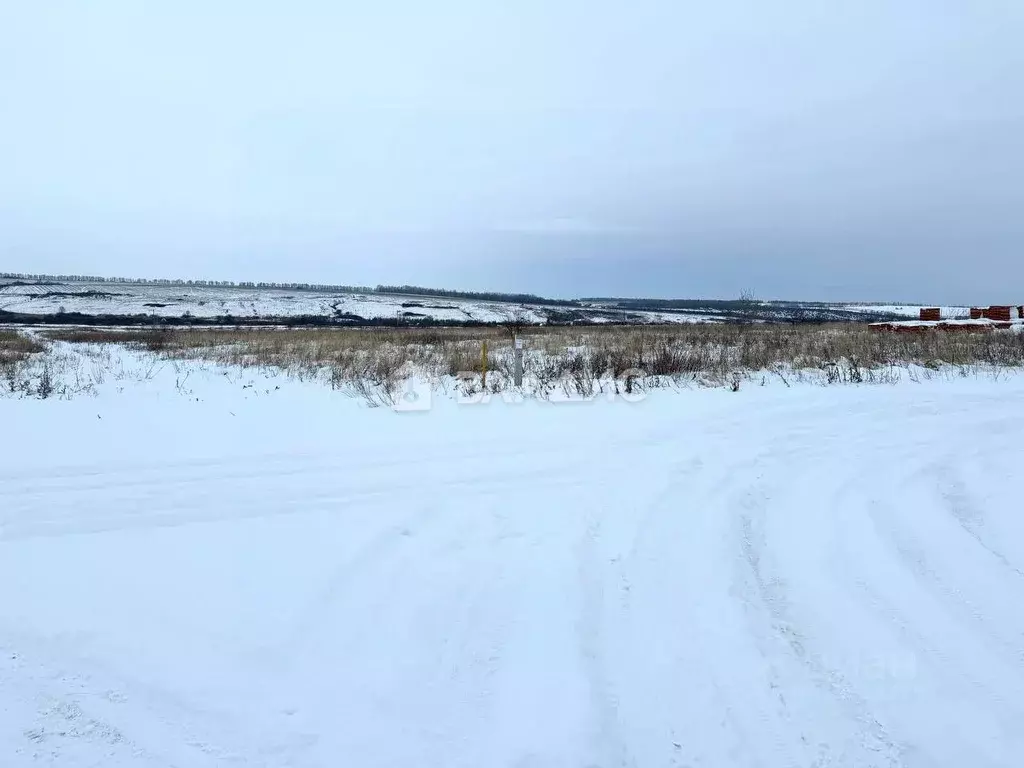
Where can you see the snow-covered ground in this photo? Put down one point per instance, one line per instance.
(241, 303)
(201, 301)
(227, 568)
(111, 298)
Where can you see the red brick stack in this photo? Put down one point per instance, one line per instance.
(931, 313)
(977, 313)
(999, 313)
(964, 327)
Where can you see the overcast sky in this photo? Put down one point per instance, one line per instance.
(798, 148)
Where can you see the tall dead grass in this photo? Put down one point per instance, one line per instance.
(707, 353)
(25, 370)
(16, 347)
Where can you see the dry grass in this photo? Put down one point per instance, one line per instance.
(711, 353)
(31, 367)
(580, 361)
(24, 370)
(15, 347)
(151, 339)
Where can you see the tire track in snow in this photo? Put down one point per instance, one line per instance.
(914, 642)
(956, 604)
(128, 475)
(453, 586)
(74, 478)
(873, 737)
(603, 613)
(370, 555)
(941, 661)
(264, 496)
(958, 501)
(604, 704)
(763, 507)
(671, 563)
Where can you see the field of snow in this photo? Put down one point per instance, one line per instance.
(234, 569)
(201, 301)
(174, 301)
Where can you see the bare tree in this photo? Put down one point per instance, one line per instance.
(516, 321)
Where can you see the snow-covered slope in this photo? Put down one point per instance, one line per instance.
(225, 569)
(201, 301)
(238, 304)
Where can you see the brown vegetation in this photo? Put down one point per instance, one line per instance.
(15, 347)
(703, 352)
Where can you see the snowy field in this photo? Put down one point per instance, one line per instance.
(200, 301)
(174, 301)
(243, 303)
(249, 570)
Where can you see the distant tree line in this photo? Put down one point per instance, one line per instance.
(521, 298)
(184, 283)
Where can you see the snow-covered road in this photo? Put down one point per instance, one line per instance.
(775, 577)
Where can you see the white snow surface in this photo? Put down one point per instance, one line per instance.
(173, 301)
(253, 571)
(202, 301)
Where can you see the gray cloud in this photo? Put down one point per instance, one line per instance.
(841, 150)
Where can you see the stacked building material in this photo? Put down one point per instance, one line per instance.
(983, 320)
(916, 326)
(966, 327)
(1000, 313)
